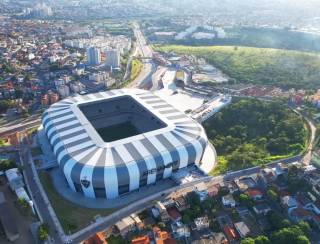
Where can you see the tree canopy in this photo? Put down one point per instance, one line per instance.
(251, 132)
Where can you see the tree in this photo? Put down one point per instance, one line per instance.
(277, 221)
(305, 227)
(257, 240)
(292, 234)
(272, 195)
(262, 240)
(302, 240)
(186, 218)
(6, 164)
(24, 205)
(208, 204)
(43, 232)
(5, 105)
(245, 199)
(248, 240)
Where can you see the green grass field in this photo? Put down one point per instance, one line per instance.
(259, 65)
(118, 131)
(72, 217)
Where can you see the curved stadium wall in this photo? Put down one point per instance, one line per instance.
(114, 142)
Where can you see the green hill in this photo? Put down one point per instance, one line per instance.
(266, 66)
(251, 132)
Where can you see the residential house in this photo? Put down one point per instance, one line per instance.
(314, 207)
(298, 214)
(98, 238)
(181, 203)
(230, 233)
(316, 189)
(245, 183)
(261, 209)
(242, 229)
(174, 214)
(162, 211)
(180, 230)
(219, 238)
(268, 175)
(232, 186)
(228, 201)
(303, 199)
(288, 202)
(141, 240)
(313, 178)
(214, 238)
(162, 237)
(202, 223)
(125, 226)
(139, 224)
(213, 190)
(202, 191)
(254, 194)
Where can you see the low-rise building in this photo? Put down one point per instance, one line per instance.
(162, 211)
(228, 201)
(180, 230)
(174, 214)
(255, 194)
(181, 203)
(242, 229)
(230, 233)
(125, 226)
(245, 183)
(15, 178)
(141, 240)
(288, 202)
(202, 223)
(261, 209)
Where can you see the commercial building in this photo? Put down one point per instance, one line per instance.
(93, 56)
(114, 142)
(112, 58)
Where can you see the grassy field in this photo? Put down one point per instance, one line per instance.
(136, 68)
(117, 132)
(72, 217)
(259, 65)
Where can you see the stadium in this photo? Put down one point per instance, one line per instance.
(110, 143)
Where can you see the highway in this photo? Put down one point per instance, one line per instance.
(8, 129)
(144, 51)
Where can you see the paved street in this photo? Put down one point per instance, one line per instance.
(143, 50)
(40, 203)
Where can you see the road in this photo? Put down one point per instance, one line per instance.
(41, 204)
(144, 51)
(307, 157)
(19, 126)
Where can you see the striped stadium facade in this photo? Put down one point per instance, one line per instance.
(100, 169)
